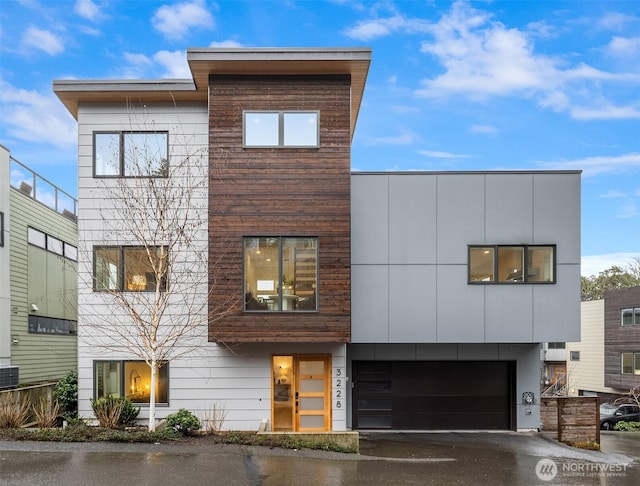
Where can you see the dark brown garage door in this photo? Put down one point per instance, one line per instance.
(428, 395)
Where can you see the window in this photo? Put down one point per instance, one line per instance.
(507, 264)
(630, 317)
(52, 244)
(1, 228)
(280, 274)
(556, 345)
(51, 325)
(131, 380)
(129, 268)
(574, 355)
(130, 154)
(281, 129)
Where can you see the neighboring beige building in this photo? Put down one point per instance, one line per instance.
(585, 359)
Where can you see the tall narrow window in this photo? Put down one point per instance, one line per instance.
(281, 274)
(626, 363)
(481, 264)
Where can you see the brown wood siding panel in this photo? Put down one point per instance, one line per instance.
(281, 192)
(619, 339)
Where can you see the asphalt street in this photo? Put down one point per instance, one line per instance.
(442, 458)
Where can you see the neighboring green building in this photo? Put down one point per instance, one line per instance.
(38, 276)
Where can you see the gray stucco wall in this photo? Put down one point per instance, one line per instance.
(410, 237)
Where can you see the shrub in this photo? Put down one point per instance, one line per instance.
(627, 426)
(66, 394)
(113, 412)
(586, 444)
(183, 421)
(14, 411)
(46, 413)
(214, 418)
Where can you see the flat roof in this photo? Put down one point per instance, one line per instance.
(205, 61)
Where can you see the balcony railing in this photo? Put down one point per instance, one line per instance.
(37, 187)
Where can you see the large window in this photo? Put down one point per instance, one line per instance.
(630, 363)
(512, 264)
(129, 268)
(281, 129)
(630, 316)
(280, 274)
(131, 380)
(130, 154)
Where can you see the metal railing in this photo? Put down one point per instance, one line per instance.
(37, 187)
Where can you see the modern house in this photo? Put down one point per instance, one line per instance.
(606, 361)
(364, 300)
(38, 255)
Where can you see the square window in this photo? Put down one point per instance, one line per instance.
(261, 129)
(281, 274)
(300, 129)
(54, 245)
(574, 355)
(133, 269)
(627, 317)
(37, 238)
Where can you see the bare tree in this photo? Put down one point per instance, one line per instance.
(153, 272)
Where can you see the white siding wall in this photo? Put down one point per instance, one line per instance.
(238, 379)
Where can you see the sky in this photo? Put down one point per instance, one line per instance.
(465, 85)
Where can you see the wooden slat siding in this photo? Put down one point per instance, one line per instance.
(619, 339)
(281, 192)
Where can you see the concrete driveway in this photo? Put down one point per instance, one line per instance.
(443, 458)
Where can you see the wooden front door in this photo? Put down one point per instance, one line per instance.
(301, 393)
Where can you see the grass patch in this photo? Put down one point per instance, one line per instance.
(79, 432)
(586, 444)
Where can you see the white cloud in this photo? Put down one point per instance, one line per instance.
(483, 58)
(608, 112)
(35, 117)
(404, 138)
(225, 43)
(174, 63)
(592, 166)
(616, 21)
(594, 264)
(624, 47)
(629, 210)
(434, 154)
(483, 129)
(87, 9)
(371, 29)
(174, 21)
(43, 40)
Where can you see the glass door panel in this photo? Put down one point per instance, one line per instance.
(282, 409)
(313, 412)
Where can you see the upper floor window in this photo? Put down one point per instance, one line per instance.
(557, 345)
(512, 264)
(630, 316)
(129, 268)
(280, 274)
(281, 129)
(130, 154)
(630, 363)
(51, 243)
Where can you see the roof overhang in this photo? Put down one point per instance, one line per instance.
(205, 61)
(284, 61)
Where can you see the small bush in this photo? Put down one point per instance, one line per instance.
(586, 444)
(183, 421)
(627, 426)
(113, 412)
(14, 411)
(46, 413)
(214, 418)
(66, 394)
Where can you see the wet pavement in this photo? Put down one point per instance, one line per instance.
(442, 458)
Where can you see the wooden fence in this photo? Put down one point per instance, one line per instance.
(571, 419)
